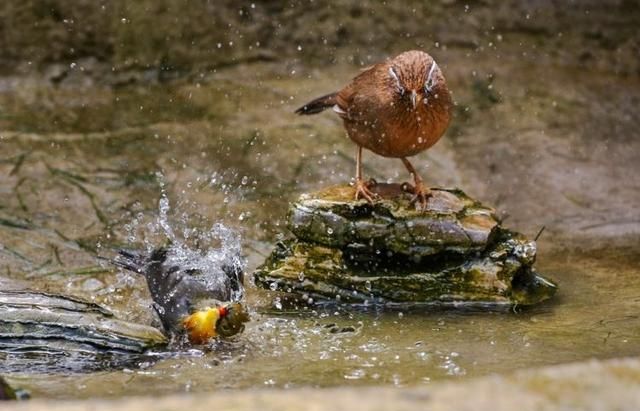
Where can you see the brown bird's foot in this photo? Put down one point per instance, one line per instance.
(420, 193)
(363, 191)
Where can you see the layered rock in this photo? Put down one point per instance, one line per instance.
(454, 252)
(46, 331)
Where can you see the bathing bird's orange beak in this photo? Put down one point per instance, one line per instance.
(201, 325)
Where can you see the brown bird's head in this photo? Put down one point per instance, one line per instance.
(416, 79)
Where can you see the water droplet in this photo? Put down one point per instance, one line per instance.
(301, 276)
(367, 285)
(355, 374)
(273, 286)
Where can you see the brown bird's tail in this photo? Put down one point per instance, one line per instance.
(317, 105)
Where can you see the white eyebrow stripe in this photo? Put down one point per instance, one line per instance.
(431, 70)
(393, 74)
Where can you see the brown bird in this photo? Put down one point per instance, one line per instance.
(396, 108)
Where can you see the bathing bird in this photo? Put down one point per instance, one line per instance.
(396, 108)
(188, 300)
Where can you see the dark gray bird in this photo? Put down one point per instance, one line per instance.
(180, 291)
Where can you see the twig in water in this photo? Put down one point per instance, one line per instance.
(18, 163)
(14, 224)
(16, 190)
(76, 271)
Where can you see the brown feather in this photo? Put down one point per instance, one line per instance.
(317, 105)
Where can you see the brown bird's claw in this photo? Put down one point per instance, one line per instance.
(421, 193)
(362, 190)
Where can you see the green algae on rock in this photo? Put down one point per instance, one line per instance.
(455, 252)
(6, 391)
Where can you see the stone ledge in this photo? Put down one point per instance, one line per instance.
(586, 386)
(453, 253)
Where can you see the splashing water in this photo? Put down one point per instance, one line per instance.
(212, 253)
(163, 215)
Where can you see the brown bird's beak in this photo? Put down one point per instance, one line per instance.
(414, 97)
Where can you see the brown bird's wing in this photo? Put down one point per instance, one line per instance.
(360, 93)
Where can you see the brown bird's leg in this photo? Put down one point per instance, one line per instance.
(421, 192)
(362, 191)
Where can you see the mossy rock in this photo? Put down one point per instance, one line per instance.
(6, 391)
(451, 223)
(453, 253)
(501, 275)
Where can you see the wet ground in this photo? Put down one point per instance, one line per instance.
(591, 385)
(84, 161)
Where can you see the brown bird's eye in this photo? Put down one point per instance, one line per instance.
(428, 86)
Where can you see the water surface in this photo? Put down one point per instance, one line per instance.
(84, 176)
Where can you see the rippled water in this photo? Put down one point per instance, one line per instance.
(591, 317)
